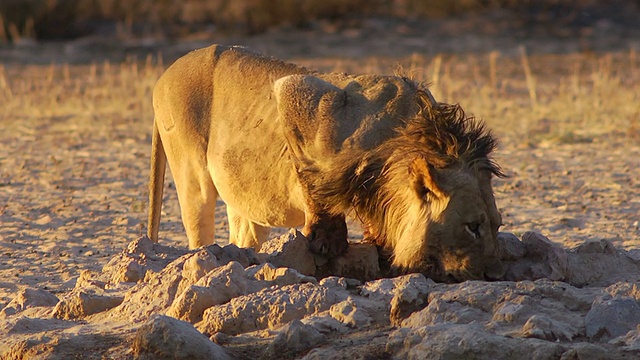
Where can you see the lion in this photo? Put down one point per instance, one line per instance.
(284, 146)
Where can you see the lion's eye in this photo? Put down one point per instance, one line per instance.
(473, 229)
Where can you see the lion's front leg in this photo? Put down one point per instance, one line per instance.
(327, 233)
(308, 108)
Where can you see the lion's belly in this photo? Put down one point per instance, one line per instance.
(258, 182)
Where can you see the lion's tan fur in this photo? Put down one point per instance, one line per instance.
(202, 111)
(280, 144)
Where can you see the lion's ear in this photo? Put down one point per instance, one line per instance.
(424, 178)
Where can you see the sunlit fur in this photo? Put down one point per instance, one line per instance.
(378, 188)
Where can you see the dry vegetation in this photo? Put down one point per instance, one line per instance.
(563, 98)
(99, 90)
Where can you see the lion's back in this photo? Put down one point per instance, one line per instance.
(221, 97)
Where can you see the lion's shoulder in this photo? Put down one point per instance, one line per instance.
(330, 114)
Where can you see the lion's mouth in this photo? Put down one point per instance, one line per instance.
(493, 271)
(446, 269)
(462, 274)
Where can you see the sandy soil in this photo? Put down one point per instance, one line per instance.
(72, 198)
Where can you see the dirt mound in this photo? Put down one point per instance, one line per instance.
(154, 301)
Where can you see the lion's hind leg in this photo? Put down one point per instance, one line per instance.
(197, 196)
(244, 232)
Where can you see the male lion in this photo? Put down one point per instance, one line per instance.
(285, 147)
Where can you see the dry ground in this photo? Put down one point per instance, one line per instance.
(75, 139)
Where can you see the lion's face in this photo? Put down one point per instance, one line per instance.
(450, 225)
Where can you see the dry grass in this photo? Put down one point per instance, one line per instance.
(532, 99)
(565, 98)
(101, 92)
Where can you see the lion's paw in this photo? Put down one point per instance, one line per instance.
(328, 236)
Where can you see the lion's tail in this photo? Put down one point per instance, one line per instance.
(156, 183)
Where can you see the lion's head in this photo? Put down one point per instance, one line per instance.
(427, 194)
(431, 195)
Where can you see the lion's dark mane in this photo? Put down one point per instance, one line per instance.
(440, 133)
(445, 135)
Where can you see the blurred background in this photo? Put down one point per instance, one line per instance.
(291, 28)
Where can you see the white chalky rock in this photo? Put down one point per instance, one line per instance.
(196, 266)
(231, 252)
(598, 263)
(82, 303)
(612, 317)
(469, 341)
(348, 313)
(281, 276)
(326, 324)
(295, 337)
(543, 259)
(443, 311)
(267, 309)
(28, 298)
(385, 289)
(156, 293)
(163, 337)
(125, 268)
(227, 282)
(510, 247)
(216, 287)
(290, 250)
(542, 327)
(409, 297)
